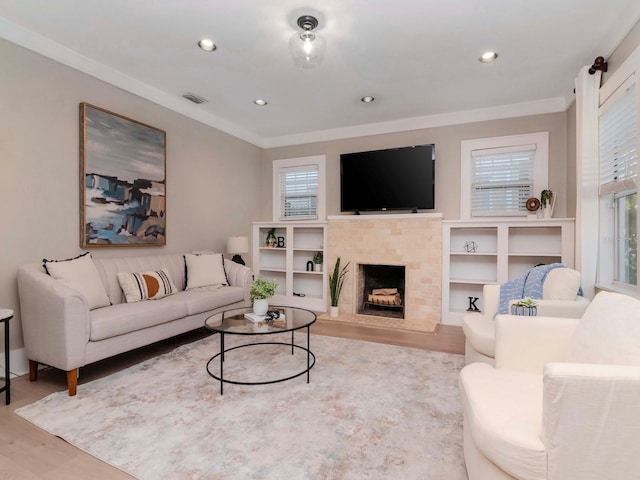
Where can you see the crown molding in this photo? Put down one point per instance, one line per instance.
(39, 44)
(549, 105)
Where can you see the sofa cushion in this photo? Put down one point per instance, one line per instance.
(80, 274)
(561, 284)
(609, 332)
(108, 268)
(128, 317)
(209, 298)
(205, 270)
(503, 410)
(151, 285)
(479, 330)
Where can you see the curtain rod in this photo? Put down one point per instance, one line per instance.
(598, 64)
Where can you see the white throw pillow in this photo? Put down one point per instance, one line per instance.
(205, 270)
(561, 284)
(146, 285)
(80, 274)
(609, 332)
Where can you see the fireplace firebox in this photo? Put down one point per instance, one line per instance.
(380, 290)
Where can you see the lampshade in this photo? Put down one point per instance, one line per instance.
(307, 47)
(238, 244)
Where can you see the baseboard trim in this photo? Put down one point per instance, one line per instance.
(18, 363)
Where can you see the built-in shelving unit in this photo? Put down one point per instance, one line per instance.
(477, 252)
(287, 264)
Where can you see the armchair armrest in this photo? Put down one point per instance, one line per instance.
(55, 319)
(591, 420)
(560, 308)
(526, 344)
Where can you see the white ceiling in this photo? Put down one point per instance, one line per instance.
(418, 58)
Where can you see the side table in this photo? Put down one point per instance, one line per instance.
(5, 316)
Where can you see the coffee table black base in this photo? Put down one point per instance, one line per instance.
(311, 361)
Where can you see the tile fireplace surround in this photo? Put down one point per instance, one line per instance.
(412, 240)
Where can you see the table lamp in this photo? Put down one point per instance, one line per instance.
(238, 245)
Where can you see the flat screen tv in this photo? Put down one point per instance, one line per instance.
(392, 179)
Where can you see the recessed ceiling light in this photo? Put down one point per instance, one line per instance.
(260, 102)
(367, 99)
(207, 45)
(488, 57)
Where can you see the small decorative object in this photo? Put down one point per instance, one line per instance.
(309, 266)
(471, 247)
(271, 240)
(317, 261)
(336, 280)
(260, 291)
(533, 204)
(525, 306)
(472, 305)
(280, 242)
(547, 202)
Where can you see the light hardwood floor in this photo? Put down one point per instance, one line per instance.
(28, 453)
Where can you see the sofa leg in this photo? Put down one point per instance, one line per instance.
(33, 370)
(72, 381)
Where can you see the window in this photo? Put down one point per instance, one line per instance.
(298, 189)
(499, 174)
(618, 156)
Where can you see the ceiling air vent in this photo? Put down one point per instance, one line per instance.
(194, 98)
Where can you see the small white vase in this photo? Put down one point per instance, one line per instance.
(333, 311)
(260, 306)
(317, 267)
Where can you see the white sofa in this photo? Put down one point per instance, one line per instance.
(562, 402)
(60, 330)
(479, 328)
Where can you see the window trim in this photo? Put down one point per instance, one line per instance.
(541, 178)
(278, 165)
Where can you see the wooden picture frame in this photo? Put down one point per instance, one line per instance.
(122, 181)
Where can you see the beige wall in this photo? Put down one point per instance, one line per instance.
(447, 141)
(213, 179)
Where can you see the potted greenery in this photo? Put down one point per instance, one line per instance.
(271, 240)
(260, 291)
(547, 203)
(336, 280)
(317, 261)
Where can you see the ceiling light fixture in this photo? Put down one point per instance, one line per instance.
(488, 57)
(367, 99)
(307, 47)
(260, 102)
(207, 45)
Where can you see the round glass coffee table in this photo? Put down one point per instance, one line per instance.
(233, 322)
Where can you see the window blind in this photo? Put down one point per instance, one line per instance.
(299, 192)
(619, 142)
(502, 179)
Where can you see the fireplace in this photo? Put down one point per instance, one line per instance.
(413, 240)
(380, 290)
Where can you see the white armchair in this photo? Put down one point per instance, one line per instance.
(479, 328)
(562, 402)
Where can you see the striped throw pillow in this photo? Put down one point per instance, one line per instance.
(146, 285)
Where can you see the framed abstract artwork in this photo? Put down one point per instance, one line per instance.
(122, 181)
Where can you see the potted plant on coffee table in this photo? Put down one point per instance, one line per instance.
(260, 291)
(336, 280)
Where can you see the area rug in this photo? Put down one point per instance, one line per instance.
(370, 411)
